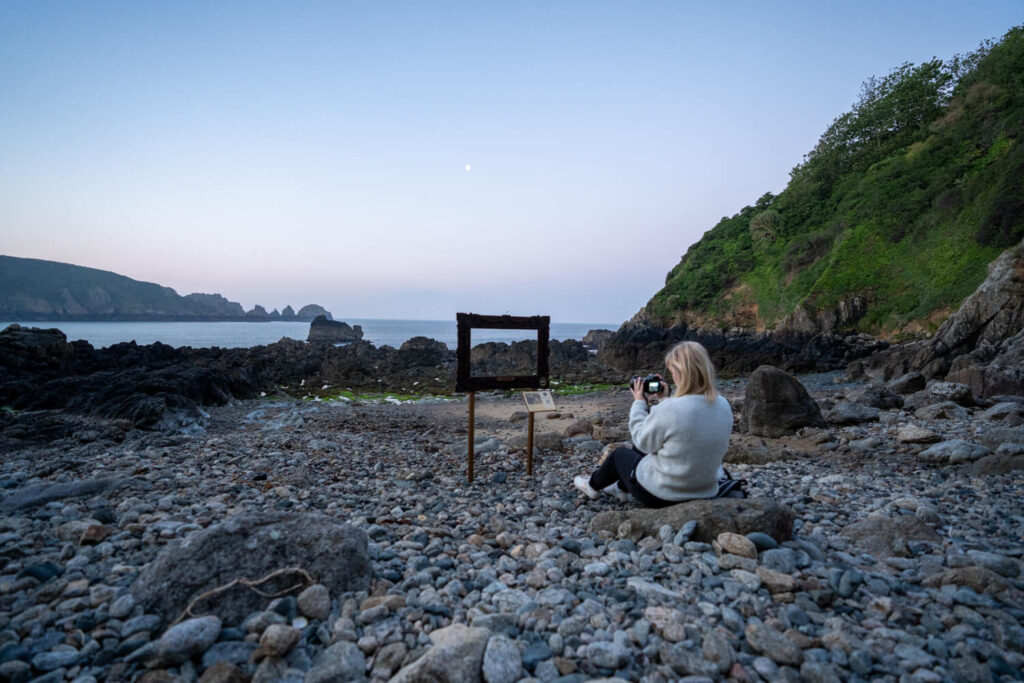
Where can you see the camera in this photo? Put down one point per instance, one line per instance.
(652, 384)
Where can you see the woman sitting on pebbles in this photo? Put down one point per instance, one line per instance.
(684, 438)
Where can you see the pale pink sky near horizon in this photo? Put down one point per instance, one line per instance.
(316, 152)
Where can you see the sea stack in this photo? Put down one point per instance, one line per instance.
(333, 331)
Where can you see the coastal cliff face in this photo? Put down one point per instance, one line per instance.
(32, 289)
(888, 223)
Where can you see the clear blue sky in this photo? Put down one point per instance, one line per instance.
(286, 153)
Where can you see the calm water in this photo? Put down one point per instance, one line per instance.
(242, 334)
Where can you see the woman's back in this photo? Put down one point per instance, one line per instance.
(685, 438)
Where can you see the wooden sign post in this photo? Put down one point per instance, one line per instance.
(536, 402)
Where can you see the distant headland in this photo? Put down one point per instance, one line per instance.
(33, 289)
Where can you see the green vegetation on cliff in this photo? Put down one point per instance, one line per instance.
(889, 222)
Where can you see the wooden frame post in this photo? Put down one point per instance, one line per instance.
(472, 429)
(529, 448)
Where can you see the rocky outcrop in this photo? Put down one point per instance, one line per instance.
(160, 387)
(329, 331)
(775, 404)
(981, 345)
(989, 316)
(640, 345)
(252, 547)
(310, 311)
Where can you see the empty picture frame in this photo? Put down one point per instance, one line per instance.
(467, 322)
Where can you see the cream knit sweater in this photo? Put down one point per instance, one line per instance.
(685, 439)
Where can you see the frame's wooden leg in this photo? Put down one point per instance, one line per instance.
(472, 411)
(529, 447)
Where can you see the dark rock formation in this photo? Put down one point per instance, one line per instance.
(715, 516)
(324, 330)
(639, 346)
(160, 387)
(423, 352)
(251, 547)
(775, 403)
(288, 313)
(310, 311)
(595, 339)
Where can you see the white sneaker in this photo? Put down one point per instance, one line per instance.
(583, 484)
(614, 490)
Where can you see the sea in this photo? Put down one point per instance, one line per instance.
(378, 332)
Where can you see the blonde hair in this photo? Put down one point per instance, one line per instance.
(690, 364)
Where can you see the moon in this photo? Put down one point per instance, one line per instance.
(468, 167)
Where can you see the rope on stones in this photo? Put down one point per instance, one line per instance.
(306, 580)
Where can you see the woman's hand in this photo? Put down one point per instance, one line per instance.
(637, 389)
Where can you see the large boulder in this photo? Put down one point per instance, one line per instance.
(333, 331)
(713, 516)
(251, 547)
(775, 404)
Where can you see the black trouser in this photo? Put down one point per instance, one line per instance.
(620, 467)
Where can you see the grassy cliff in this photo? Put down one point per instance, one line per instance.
(889, 222)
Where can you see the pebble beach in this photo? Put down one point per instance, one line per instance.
(901, 566)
